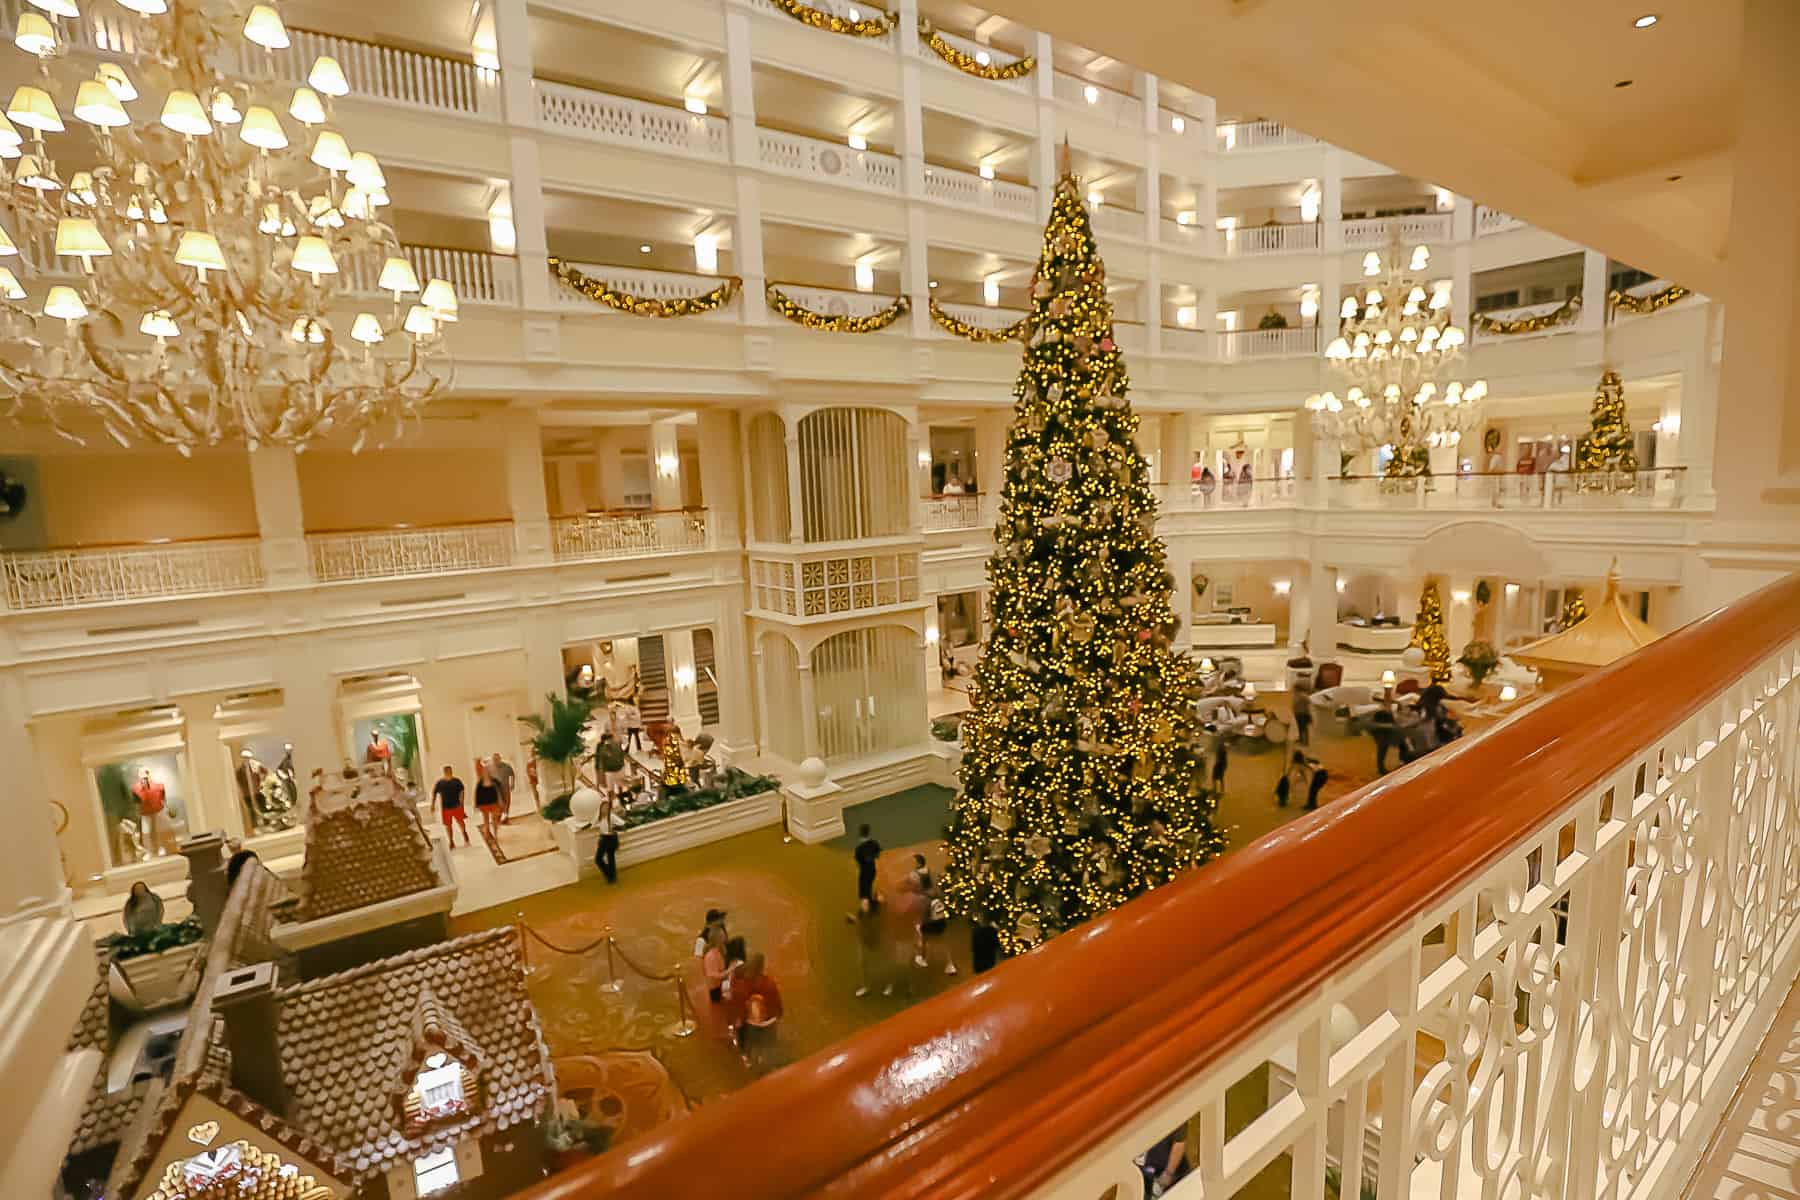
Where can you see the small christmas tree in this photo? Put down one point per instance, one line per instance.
(674, 771)
(1608, 450)
(1428, 633)
(1081, 781)
(1574, 610)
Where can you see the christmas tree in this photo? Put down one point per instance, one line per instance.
(1428, 633)
(1574, 610)
(674, 767)
(1609, 446)
(1081, 781)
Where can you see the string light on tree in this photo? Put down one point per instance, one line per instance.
(1080, 779)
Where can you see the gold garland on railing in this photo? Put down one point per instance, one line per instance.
(798, 313)
(638, 306)
(975, 333)
(968, 64)
(1619, 301)
(1562, 314)
(818, 18)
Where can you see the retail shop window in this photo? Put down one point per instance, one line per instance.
(435, 1172)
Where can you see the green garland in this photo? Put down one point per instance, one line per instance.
(799, 314)
(974, 333)
(968, 64)
(818, 18)
(682, 306)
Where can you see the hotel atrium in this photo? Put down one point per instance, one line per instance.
(1281, 519)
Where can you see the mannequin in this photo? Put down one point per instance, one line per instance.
(379, 750)
(153, 814)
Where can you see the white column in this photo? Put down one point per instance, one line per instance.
(1331, 285)
(1462, 286)
(918, 461)
(1459, 615)
(543, 662)
(737, 712)
(526, 489)
(1593, 291)
(512, 30)
(721, 476)
(1150, 180)
(1322, 611)
(1462, 220)
(1331, 201)
(665, 465)
(309, 713)
(915, 270)
(280, 517)
(934, 670)
(809, 708)
(1044, 150)
(796, 506)
(990, 451)
(31, 875)
(684, 677)
(740, 108)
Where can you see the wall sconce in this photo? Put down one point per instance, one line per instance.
(858, 141)
(1309, 204)
(1186, 216)
(986, 171)
(931, 635)
(695, 105)
(1309, 302)
(1460, 595)
(1508, 693)
(1091, 94)
(990, 291)
(1340, 586)
(1185, 316)
(667, 464)
(706, 253)
(1283, 586)
(1095, 198)
(684, 677)
(1512, 590)
(1178, 124)
(864, 275)
(924, 458)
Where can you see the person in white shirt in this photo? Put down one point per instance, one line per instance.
(633, 720)
(606, 853)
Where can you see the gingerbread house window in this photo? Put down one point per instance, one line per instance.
(441, 1090)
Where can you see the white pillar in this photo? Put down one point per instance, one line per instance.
(721, 476)
(684, 678)
(1462, 220)
(796, 507)
(665, 465)
(309, 712)
(280, 516)
(740, 108)
(1044, 150)
(1322, 611)
(1459, 615)
(1593, 291)
(809, 708)
(512, 30)
(1331, 201)
(934, 638)
(737, 712)
(31, 875)
(526, 488)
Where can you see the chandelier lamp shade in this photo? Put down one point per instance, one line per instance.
(193, 279)
(1397, 355)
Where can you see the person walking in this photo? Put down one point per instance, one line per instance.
(447, 793)
(609, 764)
(502, 774)
(1220, 760)
(867, 921)
(1319, 777)
(867, 852)
(762, 1012)
(487, 802)
(1302, 697)
(606, 850)
(633, 719)
(1284, 785)
(712, 963)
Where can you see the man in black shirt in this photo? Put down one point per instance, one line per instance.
(867, 851)
(448, 793)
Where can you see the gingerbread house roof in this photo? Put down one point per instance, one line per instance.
(105, 1114)
(363, 850)
(346, 1038)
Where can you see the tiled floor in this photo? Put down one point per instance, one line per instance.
(1756, 1155)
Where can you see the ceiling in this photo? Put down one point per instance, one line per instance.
(1514, 104)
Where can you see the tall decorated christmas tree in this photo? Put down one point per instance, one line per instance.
(1428, 633)
(1081, 780)
(1609, 446)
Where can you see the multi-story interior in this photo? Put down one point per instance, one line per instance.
(784, 531)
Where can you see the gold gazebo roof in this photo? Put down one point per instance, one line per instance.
(1608, 633)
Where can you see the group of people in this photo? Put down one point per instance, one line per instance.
(898, 932)
(493, 798)
(745, 998)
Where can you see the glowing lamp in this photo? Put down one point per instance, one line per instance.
(397, 276)
(327, 77)
(313, 257)
(10, 138)
(9, 285)
(420, 322)
(79, 237)
(1421, 258)
(1206, 666)
(1091, 94)
(439, 298)
(96, 105)
(117, 82)
(306, 108)
(30, 173)
(1371, 263)
(366, 329)
(1347, 310)
(330, 151)
(364, 171)
(199, 250)
(264, 27)
(306, 330)
(1338, 351)
(64, 302)
(34, 35)
(695, 105)
(182, 113)
(1387, 679)
(1508, 693)
(33, 108)
(159, 324)
(58, 8)
(146, 8)
(262, 129)
(225, 109)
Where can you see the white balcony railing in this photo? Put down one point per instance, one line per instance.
(849, 10)
(828, 162)
(1186, 236)
(1121, 222)
(621, 121)
(1179, 340)
(1235, 493)
(968, 190)
(1518, 313)
(943, 514)
(479, 277)
(973, 49)
(836, 302)
(1260, 135)
(1375, 231)
(1247, 241)
(646, 285)
(1242, 345)
(390, 553)
(111, 574)
(594, 537)
(1492, 220)
(389, 74)
(1651, 488)
(981, 316)
(1098, 100)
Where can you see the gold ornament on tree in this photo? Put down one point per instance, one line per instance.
(1428, 633)
(601, 292)
(1574, 610)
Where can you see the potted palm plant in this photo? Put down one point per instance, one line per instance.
(556, 741)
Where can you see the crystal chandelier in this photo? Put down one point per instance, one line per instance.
(1397, 352)
(191, 265)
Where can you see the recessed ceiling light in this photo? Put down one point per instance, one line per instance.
(934, 283)
(1645, 21)
(644, 249)
(1623, 83)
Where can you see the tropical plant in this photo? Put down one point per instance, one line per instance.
(563, 1134)
(556, 738)
(402, 733)
(1480, 659)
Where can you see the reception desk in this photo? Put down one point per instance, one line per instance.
(1374, 639)
(1224, 635)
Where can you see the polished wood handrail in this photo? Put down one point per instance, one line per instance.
(426, 527)
(629, 512)
(992, 1088)
(145, 544)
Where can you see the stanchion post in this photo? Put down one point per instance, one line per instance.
(613, 982)
(531, 968)
(684, 1025)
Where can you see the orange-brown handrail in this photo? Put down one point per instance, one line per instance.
(990, 1089)
(404, 527)
(143, 544)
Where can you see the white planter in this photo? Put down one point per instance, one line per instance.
(671, 834)
(157, 980)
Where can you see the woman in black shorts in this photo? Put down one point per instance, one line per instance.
(487, 801)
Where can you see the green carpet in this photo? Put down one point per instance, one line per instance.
(903, 819)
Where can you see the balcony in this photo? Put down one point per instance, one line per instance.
(1098, 100)
(646, 285)
(828, 162)
(1258, 493)
(1260, 135)
(981, 316)
(478, 276)
(619, 121)
(1548, 952)
(972, 49)
(947, 514)
(597, 537)
(1492, 220)
(77, 576)
(1375, 232)
(352, 554)
(1120, 222)
(844, 9)
(1653, 488)
(837, 302)
(818, 583)
(1272, 239)
(968, 190)
(1247, 345)
(390, 75)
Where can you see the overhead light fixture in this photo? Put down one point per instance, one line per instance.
(59, 8)
(644, 248)
(990, 291)
(695, 105)
(706, 252)
(1340, 586)
(858, 141)
(1094, 197)
(863, 273)
(1091, 94)
(1645, 21)
(35, 36)
(1178, 124)
(327, 76)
